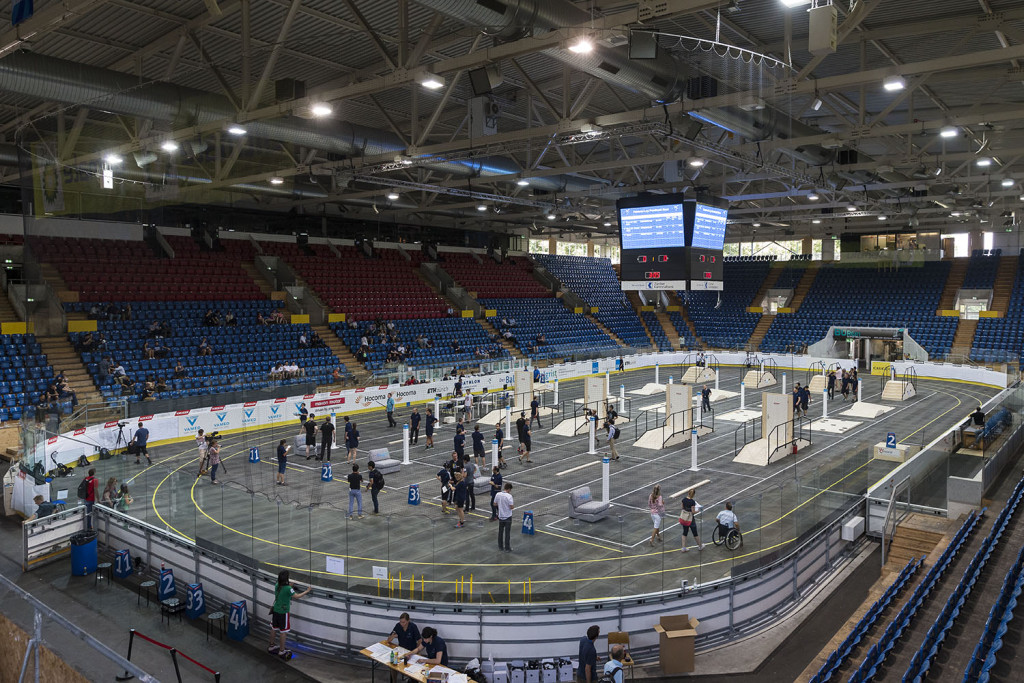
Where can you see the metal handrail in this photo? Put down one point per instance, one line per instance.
(888, 513)
(76, 417)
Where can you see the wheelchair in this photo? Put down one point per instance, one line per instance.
(732, 538)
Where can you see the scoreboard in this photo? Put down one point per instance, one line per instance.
(669, 243)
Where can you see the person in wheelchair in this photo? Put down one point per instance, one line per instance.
(728, 529)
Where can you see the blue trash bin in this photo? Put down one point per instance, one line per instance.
(84, 553)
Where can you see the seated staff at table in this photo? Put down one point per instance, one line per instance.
(432, 646)
(405, 634)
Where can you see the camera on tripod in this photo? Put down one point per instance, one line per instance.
(122, 424)
(212, 436)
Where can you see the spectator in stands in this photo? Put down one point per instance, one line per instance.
(85, 343)
(126, 312)
(230, 320)
(364, 343)
(204, 348)
(161, 350)
(179, 371)
(401, 350)
(336, 375)
(95, 313)
(278, 317)
(148, 351)
(421, 341)
(161, 384)
(260, 320)
(165, 329)
(113, 311)
(101, 343)
(303, 341)
(451, 312)
(353, 325)
(148, 389)
(209, 318)
(154, 329)
(315, 341)
(456, 346)
(541, 339)
(411, 381)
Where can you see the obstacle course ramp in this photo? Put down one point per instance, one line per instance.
(756, 379)
(817, 384)
(698, 375)
(898, 390)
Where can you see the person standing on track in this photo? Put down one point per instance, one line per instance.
(201, 445)
(470, 469)
(846, 385)
(495, 490)
(355, 491)
(310, 426)
(525, 440)
(444, 476)
(461, 495)
(613, 435)
(282, 461)
(280, 613)
(414, 426)
(213, 453)
(504, 504)
(140, 440)
(303, 414)
(429, 426)
(656, 504)
(796, 396)
(467, 406)
(854, 381)
(520, 431)
(831, 385)
(353, 444)
(478, 445)
(460, 444)
(499, 436)
(705, 399)
(327, 434)
(390, 410)
(687, 519)
(375, 486)
(805, 400)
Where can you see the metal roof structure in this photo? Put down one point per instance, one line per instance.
(82, 80)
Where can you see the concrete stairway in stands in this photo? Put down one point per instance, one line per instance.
(964, 337)
(615, 338)
(674, 300)
(804, 286)
(62, 356)
(7, 314)
(634, 302)
(491, 329)
(954, 281)
(670, 330)
(1006, 274)
(339, 349)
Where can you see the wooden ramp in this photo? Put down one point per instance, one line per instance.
(756, 452)
(818, 384)
(570, 426)
(649, 389)
(661, 437)
(755, 379)
(698, 375)
(898, 390)
(914, 537)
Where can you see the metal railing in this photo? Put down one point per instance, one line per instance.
(789, 434)
(890, 515)
(88, 414)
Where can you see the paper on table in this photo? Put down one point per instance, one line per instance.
(415, 670)
(379, 651)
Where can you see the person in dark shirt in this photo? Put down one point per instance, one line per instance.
(310, 426)
(414, 426)
(499, 436)
(805, 400)
(495, 488)
(141, 439)
(405, 634)
(355, 491)
(375, 486)
(460, 444)
(429, 426)
(796, 400)
(353, 443)
(303, 414)
(460, 495)
(327, 434)
(978, 416)
(587, 673)
(44, 508)
(705, 399)
(535, 412)
(432, 647)
(282, 461)
(831, 384)
(444, 476)
(478, 445)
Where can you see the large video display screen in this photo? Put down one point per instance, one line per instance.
(653, 240)
(708, 227)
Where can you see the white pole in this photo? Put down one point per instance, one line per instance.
(743, 395)
(622, 391)
(437, 409)
(622, 398)
(860, 390)
(494, 453)
(405, 444)
(693, 450)
(556, 391)
(717, 374)
(656, 372)
(670, 379)
(593, 436)
(607, 383)
(508, 422)
(783, 382)
(606, 479)
(824, 404)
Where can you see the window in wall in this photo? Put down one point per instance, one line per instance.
(731, 249)
(960, 244)
(538, 246)
(572, 249)
(986, 238)
(611, 252)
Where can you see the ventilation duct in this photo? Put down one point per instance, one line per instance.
(50, 78)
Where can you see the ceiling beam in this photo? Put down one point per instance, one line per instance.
(45, 21)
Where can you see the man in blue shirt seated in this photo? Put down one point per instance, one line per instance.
(432, 647)
(405, 634)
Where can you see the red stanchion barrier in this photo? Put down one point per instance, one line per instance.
(132, 633)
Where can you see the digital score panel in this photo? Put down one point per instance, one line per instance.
(706, 270)
(706, 243)
(653, 243)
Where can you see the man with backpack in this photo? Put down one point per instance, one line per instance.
(613, 667)
(87, 494)
(375, 486)
(613, 436)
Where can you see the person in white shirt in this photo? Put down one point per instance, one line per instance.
(727, 518)
(201, 445)
(467, 406)
(505, 504)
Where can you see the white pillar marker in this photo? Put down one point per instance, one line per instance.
(743, 395)
(606, 480)
(860, 390)
(783, 382)
(607, 382)
(824, 404)
(405, 444)
(593, 436)
(717, 374)
(657, 370)
(494, 453)
(693, 450)
(556, 391)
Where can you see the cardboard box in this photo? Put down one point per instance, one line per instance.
(676, 639)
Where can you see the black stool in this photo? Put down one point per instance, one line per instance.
(170, 606)
(103, 568)
(144, 585)
(222, 624)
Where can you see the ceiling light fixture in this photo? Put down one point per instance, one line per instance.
(813, 196)
(236, 130)
(277, 180)
(696, 162)
(607, 224)
(756, 225)
(816, 221)
(321, 109)
(582, 46)
(481, 207)
(169, 146)
(113, 159)
(949, 132)
(552, 216)
(432, 82)
(984, 162)
(1008, 182)
(794, 3)
(894, 83)
(851, 207)
(522, 182)
(392, 196)
(816, 104)
(882, 217)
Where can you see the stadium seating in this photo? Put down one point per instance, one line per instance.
(999, 340)
(845, 295)
(386, 287)
(565, 332)
(686, 338)
(119, 270)
(488, 279)
(721, 318)
(985, 655)
(594, 281)
(654, 325)
(242, 358)
(24, 376)
(981, 270)
(440, 331)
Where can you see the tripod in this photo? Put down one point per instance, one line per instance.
(120, 441)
